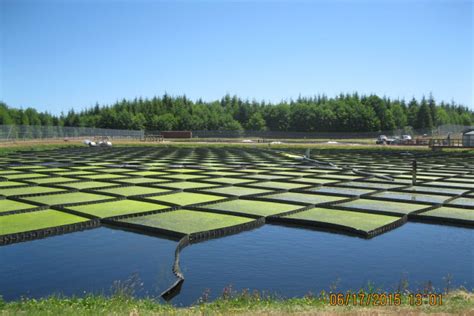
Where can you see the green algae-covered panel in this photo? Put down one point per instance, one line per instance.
(356, 220)
(116, 208)
(186, 198)
(23, 222)
(148, 173)
(315, 180)
(29, 190)
(434, 190)
(87, 185)
(370, 185)
(384, 206)
(237, 191)
(187, 222)
(11, 184)
(304, 198)
(182, 185)
(20, 176)
(451, 213)
(338, 190)
(133, 190)
(141, 180)
(463, 201)
(280, 185)
(412, 197)
(104, 176)
(229, 180)
(185, 176)
(260, 208)
(9, 205)
(51, 180)
(66, 198)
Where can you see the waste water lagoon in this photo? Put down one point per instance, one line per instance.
(295, 227)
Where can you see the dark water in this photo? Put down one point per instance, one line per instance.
(283, 260)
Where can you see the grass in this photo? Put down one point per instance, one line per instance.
(253, 207)
(187, 222)
(29, 190)
(186, 198)
(9, 205)
(451, 212)
(116, 208)
(133, 190)
(304, 198)
(360, 221)
(67, 198)
(459, 302)
(23, 222)
(383, 206)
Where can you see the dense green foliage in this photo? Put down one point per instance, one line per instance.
(346, 112)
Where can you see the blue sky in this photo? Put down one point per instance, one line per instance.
(57, 55)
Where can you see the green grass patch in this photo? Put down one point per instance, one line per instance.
(304, 198)
(357, 220)
(28, 190)
(66, 198)
(23, 222)
(116, 208)
(237, 191)
(253, 207)
(451, 212)
(186, 198)
(384, 206)
(9, 205)
(133, 190)
(187, 222)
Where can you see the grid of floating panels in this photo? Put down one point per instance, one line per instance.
(200, 192)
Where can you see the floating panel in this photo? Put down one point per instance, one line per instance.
(186, 198)
(304, 198)
(359, 221)
(116, 208)
(187, 221)
(383, 206)
(67, 198)
(23, 222)
(252, 207)
(133, 190)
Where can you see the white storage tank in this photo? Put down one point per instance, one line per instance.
(468, 138)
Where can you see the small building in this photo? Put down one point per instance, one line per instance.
(468, 138)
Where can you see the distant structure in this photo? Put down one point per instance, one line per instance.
(468, 138)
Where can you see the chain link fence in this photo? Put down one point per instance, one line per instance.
(34, 132)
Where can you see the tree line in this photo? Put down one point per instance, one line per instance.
(343, 113)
